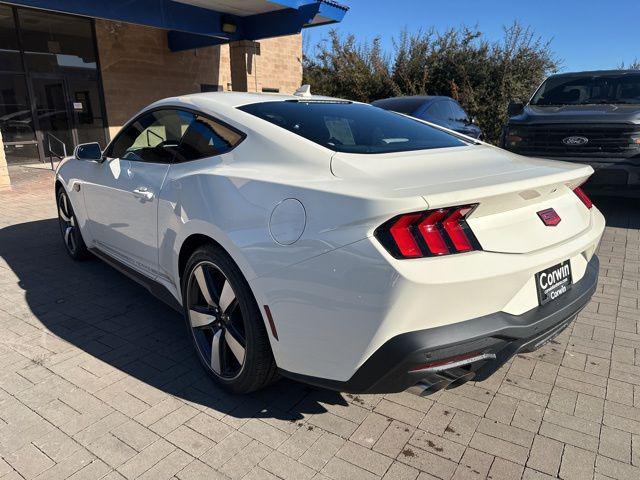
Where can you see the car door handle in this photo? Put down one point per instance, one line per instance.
(143, 192)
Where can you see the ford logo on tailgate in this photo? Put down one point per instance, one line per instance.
(575, 141)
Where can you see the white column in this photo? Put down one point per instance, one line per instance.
(5, 181)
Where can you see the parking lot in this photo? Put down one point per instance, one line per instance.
(98, 380)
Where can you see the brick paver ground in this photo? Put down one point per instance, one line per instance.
(98, 380)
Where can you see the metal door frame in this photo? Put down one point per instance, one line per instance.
(67, 103)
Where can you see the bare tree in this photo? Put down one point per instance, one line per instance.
(634, 65)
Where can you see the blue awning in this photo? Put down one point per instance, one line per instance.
(198, 23)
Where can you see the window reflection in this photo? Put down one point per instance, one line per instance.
(9, 51)
(56, 42)
(58, 53)
(21, 153)
(16, 123)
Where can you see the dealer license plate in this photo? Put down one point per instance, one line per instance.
(553, 282)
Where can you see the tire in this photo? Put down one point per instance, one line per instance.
(71, 235)
(222, 316)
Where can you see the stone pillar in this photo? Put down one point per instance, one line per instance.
(244, 63)
(5, 181)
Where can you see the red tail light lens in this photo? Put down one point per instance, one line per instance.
(402, 236)
(431, 233)
(454, 226)
(429, 228)
(583, 197)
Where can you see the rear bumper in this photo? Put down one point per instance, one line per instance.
(392, 367)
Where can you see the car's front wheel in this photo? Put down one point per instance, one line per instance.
(69, 228)
(225, 323)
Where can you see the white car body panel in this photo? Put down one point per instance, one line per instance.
(122, 220)
(335, 293)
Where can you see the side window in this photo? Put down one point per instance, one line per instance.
(205, 138)
(449, 114)
(153, 137)
(439, 110)
(458, 112)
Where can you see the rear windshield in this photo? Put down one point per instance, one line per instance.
(589, 89)
(352, 127)
(406, 105)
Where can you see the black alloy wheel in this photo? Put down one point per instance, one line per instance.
(225, 323)
(71, 236)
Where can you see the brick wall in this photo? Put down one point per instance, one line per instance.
(138, 68)
(279, 64)
(225, 67)
(273, 63)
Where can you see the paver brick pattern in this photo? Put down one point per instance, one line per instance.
(98, 380)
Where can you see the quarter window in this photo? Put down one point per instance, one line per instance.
(206, 138)
(153, 137)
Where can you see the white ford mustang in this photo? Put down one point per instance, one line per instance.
(334, 242)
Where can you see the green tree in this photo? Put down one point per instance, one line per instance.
(342, 65)
(461, 63)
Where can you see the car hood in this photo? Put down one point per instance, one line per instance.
(605, 113)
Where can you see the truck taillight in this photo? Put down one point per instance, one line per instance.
(583, 197)
(431, 233)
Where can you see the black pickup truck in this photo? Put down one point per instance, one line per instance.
(585, 117)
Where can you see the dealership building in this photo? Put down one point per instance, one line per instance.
(74, 71)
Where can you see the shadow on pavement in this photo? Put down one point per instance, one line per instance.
(619, 212)
(110, 317)
(113, 319)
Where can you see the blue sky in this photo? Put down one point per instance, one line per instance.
(586, 35)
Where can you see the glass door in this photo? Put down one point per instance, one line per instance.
(53, 117)
(88, 118)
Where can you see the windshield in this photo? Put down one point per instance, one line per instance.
(589, 89)
(352, 127)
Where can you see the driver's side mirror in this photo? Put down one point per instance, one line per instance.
(515, 108)
(89, 151)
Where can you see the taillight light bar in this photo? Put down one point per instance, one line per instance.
(443, 231)
(583, 197)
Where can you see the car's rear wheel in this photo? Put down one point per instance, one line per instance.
(225, 323)
(71, 236)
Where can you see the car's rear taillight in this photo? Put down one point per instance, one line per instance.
(583, 197)
(400, 231)
(425, 234)
(430, 229)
